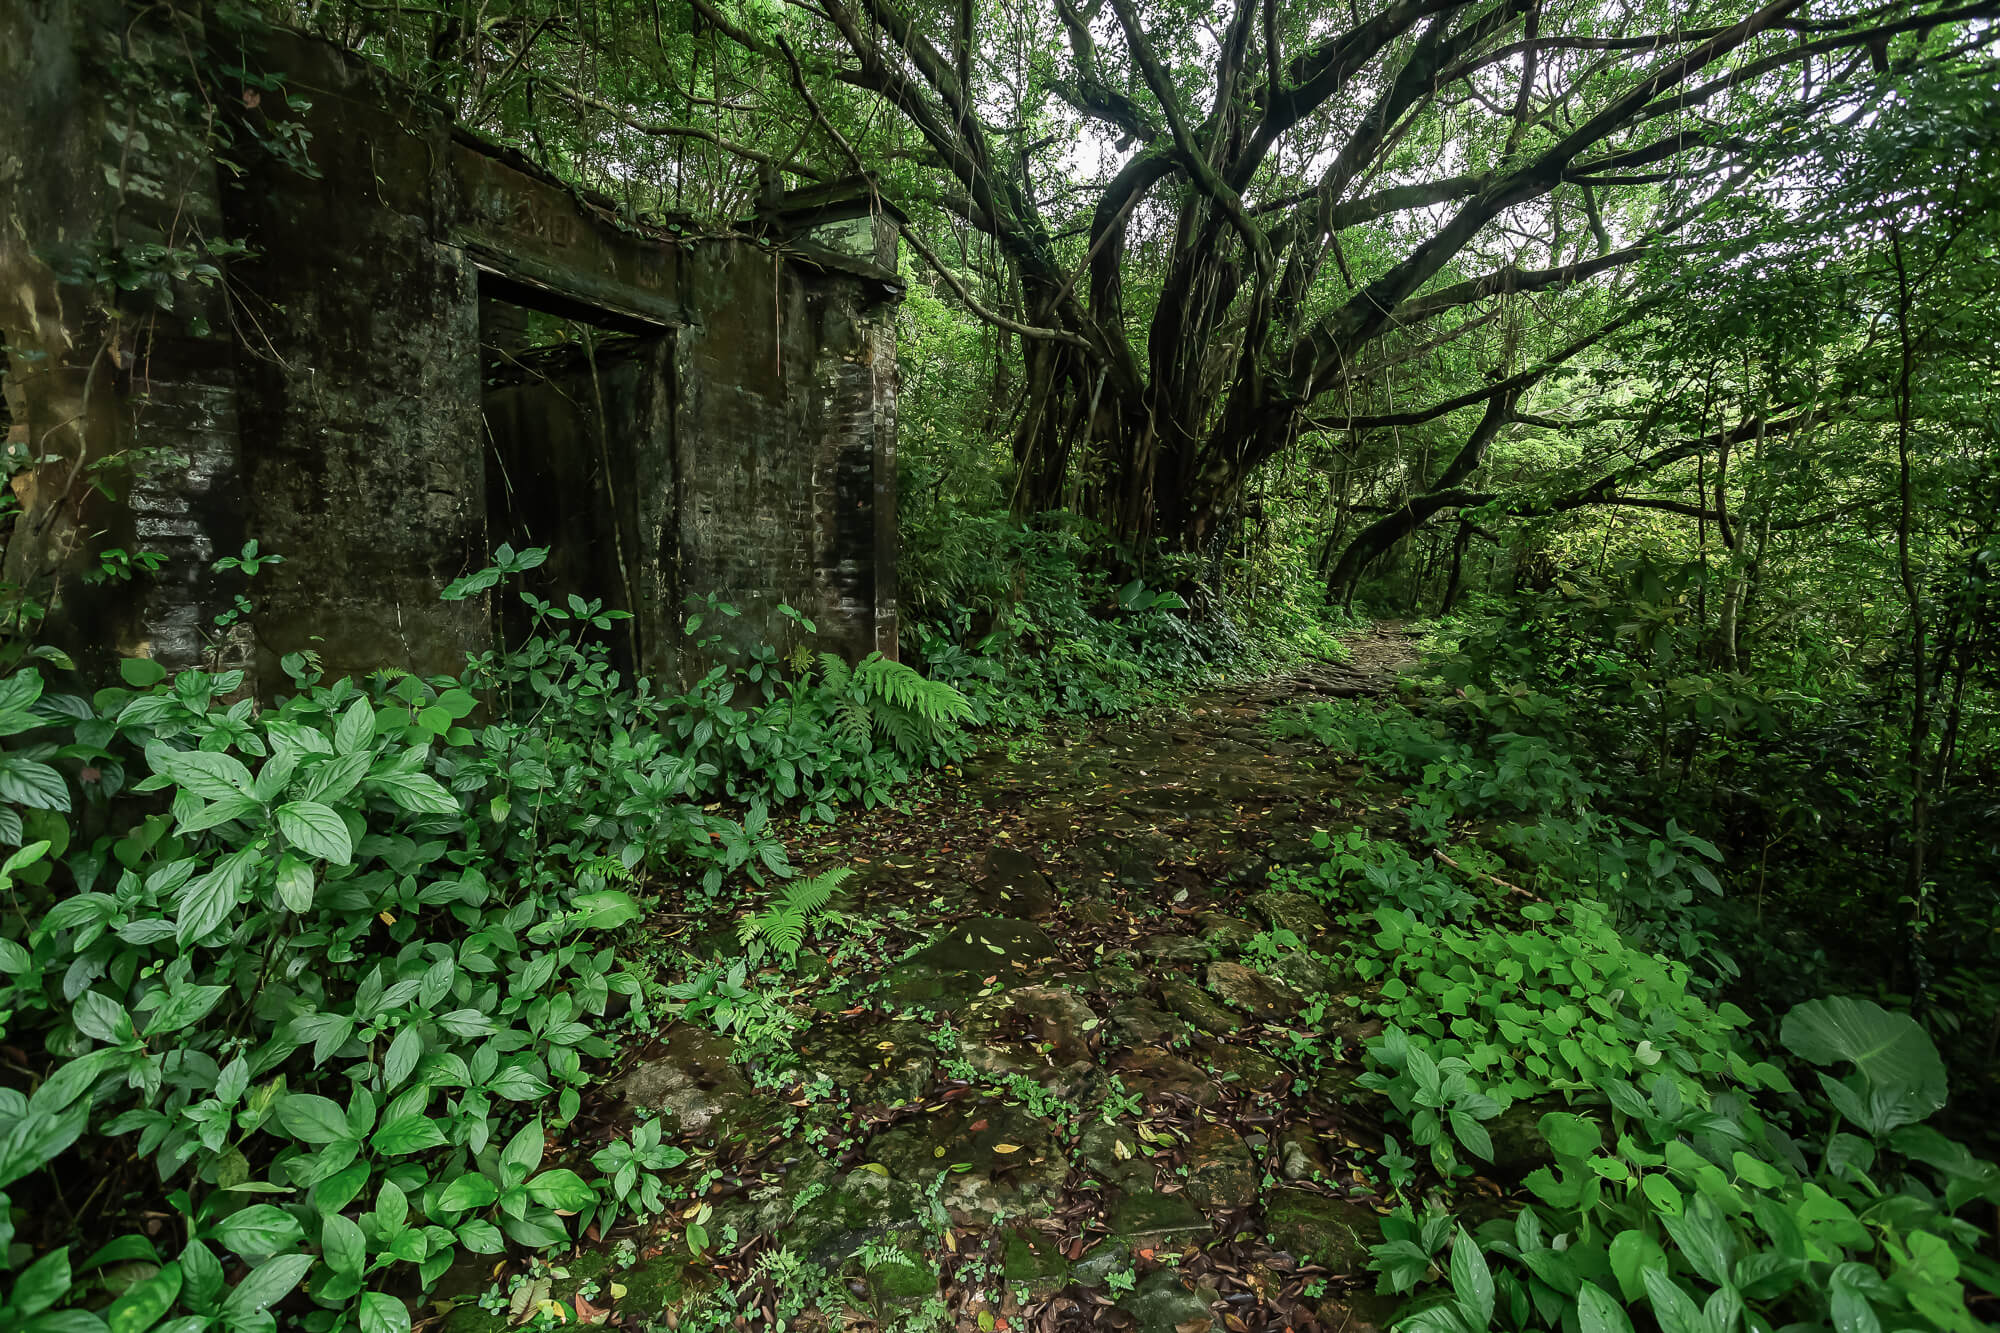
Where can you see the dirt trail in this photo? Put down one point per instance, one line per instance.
(1132, 1112)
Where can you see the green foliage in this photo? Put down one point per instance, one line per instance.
(326, 975)
(1440, 1099)
(1360, 870)
(1058, 631)
(1691, 1183)
(1562, 1003)
(877, 696)
(723, 996)
(629, 1171)
(793, 910)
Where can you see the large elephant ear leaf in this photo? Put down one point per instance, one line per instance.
(1894, 1054)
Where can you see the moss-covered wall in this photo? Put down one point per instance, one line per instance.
(332, 407)
(119, 384)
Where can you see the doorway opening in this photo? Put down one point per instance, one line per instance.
(574, 403)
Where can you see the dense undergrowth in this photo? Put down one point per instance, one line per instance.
(302, 999)
(1556, 938)
(303, 996)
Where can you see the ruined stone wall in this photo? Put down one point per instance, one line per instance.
(119, 384)
(363, 456)
(332, 409)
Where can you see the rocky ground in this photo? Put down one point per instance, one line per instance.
(1094, 1097)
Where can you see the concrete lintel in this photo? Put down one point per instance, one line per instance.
(556, 292)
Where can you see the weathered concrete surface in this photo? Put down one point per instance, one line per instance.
(335, 408)
(126, 407)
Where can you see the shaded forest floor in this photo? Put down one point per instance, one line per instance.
(1095, 1096)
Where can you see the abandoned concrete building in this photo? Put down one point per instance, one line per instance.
(381, 348)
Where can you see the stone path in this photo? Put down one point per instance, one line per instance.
(1094, 1095)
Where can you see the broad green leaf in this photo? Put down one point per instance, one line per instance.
(1849, 1304)
(184, 1006)
(562, 1190)
(523, 1152)
(144, 1303)
(1596, 1312)
(480, 1236)
(410, 1133)
(98, 1015)
(381, 1313)
(267, 1284)
(312, 1118)
(141, 673)
(356, 728)
(31, 783)
(1704, 1238)
(1892, 1052)
(316, 830)
(201, 1277)
(342, 1245)
(211, 776)
(1632, 1253)
(295, 883)
(470, 1190)
(419, 793)
(1673, 1309)
(1471, 1280)
(259, 1230)
(206, 901)
(1571, 1136)
(41, 1284)
(403, 1055)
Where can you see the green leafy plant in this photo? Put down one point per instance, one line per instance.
(792, 911)
(631, 1168)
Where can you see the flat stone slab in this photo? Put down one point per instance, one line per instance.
(1294, 912)
(1253, 992)
(1013, 1165)
(1150, 1215)
(1175, 949)
(1164, 1302)
(984, 944)
(1221, 1173)
(1320, 1228)
(1139, 1022)
(1012, 883)
(1159, 1076)
(1197, 1007)
(694, 1085)
(1224, 931)
(1244, 1067)
(890, 1063)
(1051, 1019)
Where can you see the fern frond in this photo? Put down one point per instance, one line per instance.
(778, 930)
(833, 671)
(810, 896)
(935, 702)
(853, 719)
(781, 927)
(907, 731)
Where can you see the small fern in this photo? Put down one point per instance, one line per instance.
(880, 696)
(781, 927)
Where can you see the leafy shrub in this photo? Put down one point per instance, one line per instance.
(1714, 1218)
(327, 976)
(1360, 871)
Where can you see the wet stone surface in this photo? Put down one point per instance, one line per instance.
(1056, 1059)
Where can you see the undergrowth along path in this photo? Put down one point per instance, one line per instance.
(1095, 1095)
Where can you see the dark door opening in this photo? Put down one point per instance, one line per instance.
(569, 408)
